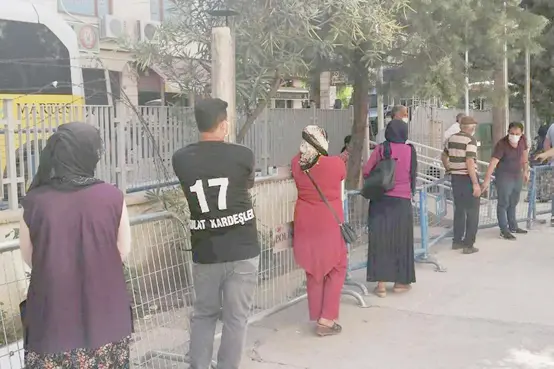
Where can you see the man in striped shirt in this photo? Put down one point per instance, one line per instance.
(459, 159)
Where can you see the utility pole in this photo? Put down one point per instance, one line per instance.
(466, 107)
(528, 96)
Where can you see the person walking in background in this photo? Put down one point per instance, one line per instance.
(216, 177)
(390, 219)
(398, 112)
(459, 158)
(318, 244)
(543, 178)
(345, 151)
(453, 129)
(549, 144)
(74, 235)
(510, 159)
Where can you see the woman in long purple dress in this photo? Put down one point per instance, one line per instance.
(74, 235)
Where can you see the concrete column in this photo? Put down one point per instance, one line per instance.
(223, 73)
(324, 86)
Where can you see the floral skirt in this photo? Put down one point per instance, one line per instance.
(110, 356)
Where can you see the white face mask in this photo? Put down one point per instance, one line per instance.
(514, 139)
(406, 120)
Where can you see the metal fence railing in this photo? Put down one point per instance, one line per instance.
(540, 193)
(140, 141)
(158, 273)
(439, 212)
(356, 213)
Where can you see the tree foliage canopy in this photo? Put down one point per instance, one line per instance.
(542, 72)
(437, 33)
(274, 40)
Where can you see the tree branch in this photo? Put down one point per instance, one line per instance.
(261, 105)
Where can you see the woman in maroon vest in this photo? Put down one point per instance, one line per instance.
(74, 234)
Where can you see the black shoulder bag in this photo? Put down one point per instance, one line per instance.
(382, 178)
(348, 233)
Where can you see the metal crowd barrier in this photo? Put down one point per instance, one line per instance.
(436, 210)
(540, 193)
(159, 279)
(356, 213)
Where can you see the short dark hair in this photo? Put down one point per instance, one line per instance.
(459, 116)
(347, 139)
(516, 125)
(397, 109)
(209, 113)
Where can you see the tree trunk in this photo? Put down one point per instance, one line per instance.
(315, 86)
(499, 107)
(360, 100)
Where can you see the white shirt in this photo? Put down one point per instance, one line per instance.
(452, 130)
(380, 138)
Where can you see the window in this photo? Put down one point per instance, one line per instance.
(32, 69)
(91, 8)
(160, 9)
(280, 104)
(96, 91)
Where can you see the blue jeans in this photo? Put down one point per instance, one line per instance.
(509, 190)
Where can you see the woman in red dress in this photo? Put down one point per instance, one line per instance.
(318, 244)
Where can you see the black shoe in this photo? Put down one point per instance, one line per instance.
(470, 250)
(507, 235)
(552, 221)
(457, 246)
(518, 231)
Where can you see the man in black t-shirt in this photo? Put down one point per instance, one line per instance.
(216, 177)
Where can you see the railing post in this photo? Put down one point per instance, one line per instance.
(532, 198)
(423, 222)
(121, 142)
(11, 166)
(265, 142)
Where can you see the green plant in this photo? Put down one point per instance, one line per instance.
(12, 331)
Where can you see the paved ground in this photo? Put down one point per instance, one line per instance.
(494, 309)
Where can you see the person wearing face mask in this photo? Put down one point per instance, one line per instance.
(459, 158)
(510, 160)
(398, 112)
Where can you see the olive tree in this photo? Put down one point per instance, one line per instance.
(273, 41)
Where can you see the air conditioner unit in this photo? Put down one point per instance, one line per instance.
(147, 30)
(112, 27)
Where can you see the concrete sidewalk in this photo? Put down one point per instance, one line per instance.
(494, 309)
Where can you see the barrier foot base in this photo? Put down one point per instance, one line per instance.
(361, 286)
(180, 358)
(427, 259)
(359, 298)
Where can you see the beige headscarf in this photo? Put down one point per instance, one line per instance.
(314, 144)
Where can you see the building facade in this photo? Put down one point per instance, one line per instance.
(109, 71)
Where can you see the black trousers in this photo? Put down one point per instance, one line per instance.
(466, 210)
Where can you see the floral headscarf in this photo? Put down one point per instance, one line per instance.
(314, 144)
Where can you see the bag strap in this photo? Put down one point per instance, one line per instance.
(387, 151)
(323, 198)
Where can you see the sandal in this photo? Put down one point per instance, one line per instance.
(382, 293)
(404, 288)
(324, 330)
